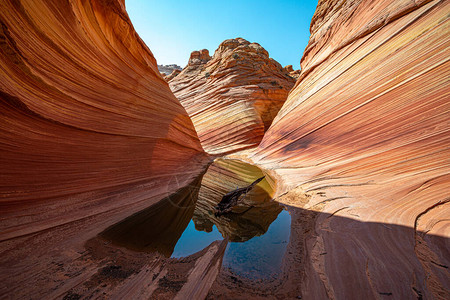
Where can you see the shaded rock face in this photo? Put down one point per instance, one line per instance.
(83, 108)
(157, 228)
(90, 133)
(365, 135)
(232, 97)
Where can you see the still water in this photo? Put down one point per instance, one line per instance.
(184, 223)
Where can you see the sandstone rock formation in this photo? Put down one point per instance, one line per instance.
(172, 75)
(168, 69)
(293, 73)
(81, 99)
(232, 97)
(91, 136)
(90, 133)
(158, 227)
(370, 150)
(289, 68)
(199, 58)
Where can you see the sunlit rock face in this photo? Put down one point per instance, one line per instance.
(293, 73)
(365, 134)
(90, 132)
(83, 109)
(233, 96)
(172, 75)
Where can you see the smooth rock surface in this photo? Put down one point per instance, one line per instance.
(363, 138)
(90, 133)
(232, 97)
(83, 109)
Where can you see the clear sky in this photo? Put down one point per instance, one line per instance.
(172, 29)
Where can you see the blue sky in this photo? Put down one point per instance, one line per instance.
(174, 28)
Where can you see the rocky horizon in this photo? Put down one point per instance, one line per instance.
(168, 69)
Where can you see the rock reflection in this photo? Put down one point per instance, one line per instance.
(157, 228)
(254, 213)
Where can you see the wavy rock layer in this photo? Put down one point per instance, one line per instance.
(232, 97)
(365, 135)
(90, 131)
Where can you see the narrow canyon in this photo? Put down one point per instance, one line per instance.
(111, 171)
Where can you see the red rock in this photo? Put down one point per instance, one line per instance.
(199, 57)
(172, 75)
(289, 68)
(364, 136)
(90, 133)
(293, 73)
(233, 96)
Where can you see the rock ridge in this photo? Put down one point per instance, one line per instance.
(233, 96)
(370, 146)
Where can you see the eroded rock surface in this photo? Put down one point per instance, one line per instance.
(172, 75)
(365, 134)
(293, 73)
(90, 133)
(168, 69)
(233, 96)
(83, 109)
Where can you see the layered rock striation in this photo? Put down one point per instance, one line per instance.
(233, 96)
(370, 149)
(172, 75)
(83, 109)
(293, 73)
(90, 132)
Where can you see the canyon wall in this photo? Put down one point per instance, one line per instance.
(84, 109)
(233, 96)
(90, 131)
(363, 139)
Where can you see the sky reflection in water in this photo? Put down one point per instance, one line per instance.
(184, 223)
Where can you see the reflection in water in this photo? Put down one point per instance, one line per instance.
(262, 256)
(184, 223)
(254, 213)
(157, 228)
(193, 240)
